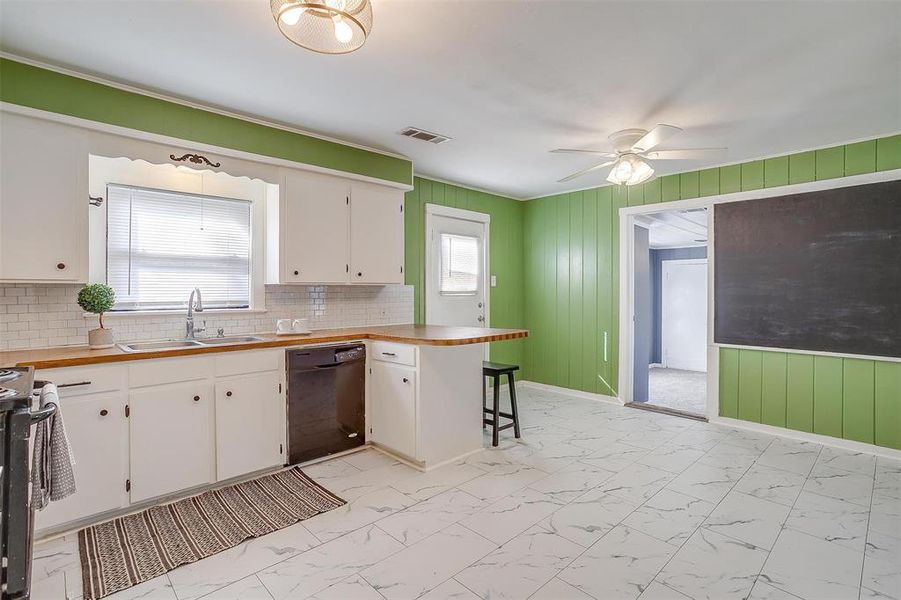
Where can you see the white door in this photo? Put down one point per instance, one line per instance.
(315, 233)
(376, 234)
(98, 433)
(393, 407)
(171, 429)
(249, 435)
(684, 313)
(456, 267)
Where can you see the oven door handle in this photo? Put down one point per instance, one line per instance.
(44, 413)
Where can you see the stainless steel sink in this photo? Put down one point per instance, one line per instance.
(176, 344)
(161, 345)
(236, 339)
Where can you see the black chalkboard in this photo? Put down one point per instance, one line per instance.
(815, 271)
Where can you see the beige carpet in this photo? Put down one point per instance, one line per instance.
(685, 391)
(129, 550)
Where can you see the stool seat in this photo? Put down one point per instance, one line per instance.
(496, 371)
(490, 369)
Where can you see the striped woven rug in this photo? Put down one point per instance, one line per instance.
(129, 550)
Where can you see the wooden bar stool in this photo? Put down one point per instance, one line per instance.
(495, 371)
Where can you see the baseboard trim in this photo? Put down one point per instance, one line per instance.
(570, 392)
(804, 436)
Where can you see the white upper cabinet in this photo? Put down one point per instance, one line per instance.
(376, 234)
(332, 230)
(314, 229)
(43, 202)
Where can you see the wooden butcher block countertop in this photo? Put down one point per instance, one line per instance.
(432, 335)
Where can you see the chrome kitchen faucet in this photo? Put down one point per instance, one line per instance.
(190, 330)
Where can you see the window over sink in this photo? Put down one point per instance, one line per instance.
(162, 244)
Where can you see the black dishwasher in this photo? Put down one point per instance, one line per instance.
(326, 390)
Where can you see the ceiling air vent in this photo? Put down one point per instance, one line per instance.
(425, 136)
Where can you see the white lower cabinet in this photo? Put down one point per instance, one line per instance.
(98, 433)
(392, 407)
(171, 438)
(166, 425)
(249, 424)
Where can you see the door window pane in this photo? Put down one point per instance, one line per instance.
(459, 264)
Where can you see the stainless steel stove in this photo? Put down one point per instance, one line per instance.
(9, 374)
(16, 419)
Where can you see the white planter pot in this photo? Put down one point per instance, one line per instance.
(101, 338)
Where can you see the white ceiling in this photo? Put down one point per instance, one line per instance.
(508, 80)
(676, 228)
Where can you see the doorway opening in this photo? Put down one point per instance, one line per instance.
(670, 292)
(456, 277)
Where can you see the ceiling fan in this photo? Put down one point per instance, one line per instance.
(632, 151)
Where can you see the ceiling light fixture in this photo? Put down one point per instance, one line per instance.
(325, 26)
(630, 169)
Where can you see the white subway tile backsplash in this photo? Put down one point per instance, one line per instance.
(40, 316)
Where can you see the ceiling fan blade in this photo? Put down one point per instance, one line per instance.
(594, 152)
(654, 137)
(586, 171)
(683, 154)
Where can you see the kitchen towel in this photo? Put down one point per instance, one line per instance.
(53, 465)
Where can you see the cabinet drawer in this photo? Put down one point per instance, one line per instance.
(169, 370)
(403, 354)
(254, 361)
(81, 381)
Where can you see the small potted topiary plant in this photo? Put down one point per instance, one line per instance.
(98, 298)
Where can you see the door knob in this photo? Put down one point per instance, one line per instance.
(229, 394)
(196, 398)
(104, 412)
(406, 380)
(297, 272)
(60, 266)
(481, 319)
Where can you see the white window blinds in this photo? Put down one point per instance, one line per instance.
(161, 245)
(459, 264)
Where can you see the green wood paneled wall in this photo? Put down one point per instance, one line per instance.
(42, 89)
(572, 290)
(506, 253)
(849, 398)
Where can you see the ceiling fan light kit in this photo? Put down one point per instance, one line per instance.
(324, 26)
(632, 152)
(630, 169)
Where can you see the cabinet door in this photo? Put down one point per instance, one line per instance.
(249, 431)
(98, 433)
(392, 407)
(43, 201)
(171, 435)
(376, 234)
(314, 231)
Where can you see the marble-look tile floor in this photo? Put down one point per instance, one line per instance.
(595, 502)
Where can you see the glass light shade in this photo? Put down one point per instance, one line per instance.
(325, 26)
(630, 169)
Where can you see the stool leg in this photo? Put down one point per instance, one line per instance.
(484, 399)
(513, 409)
(497, 409)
